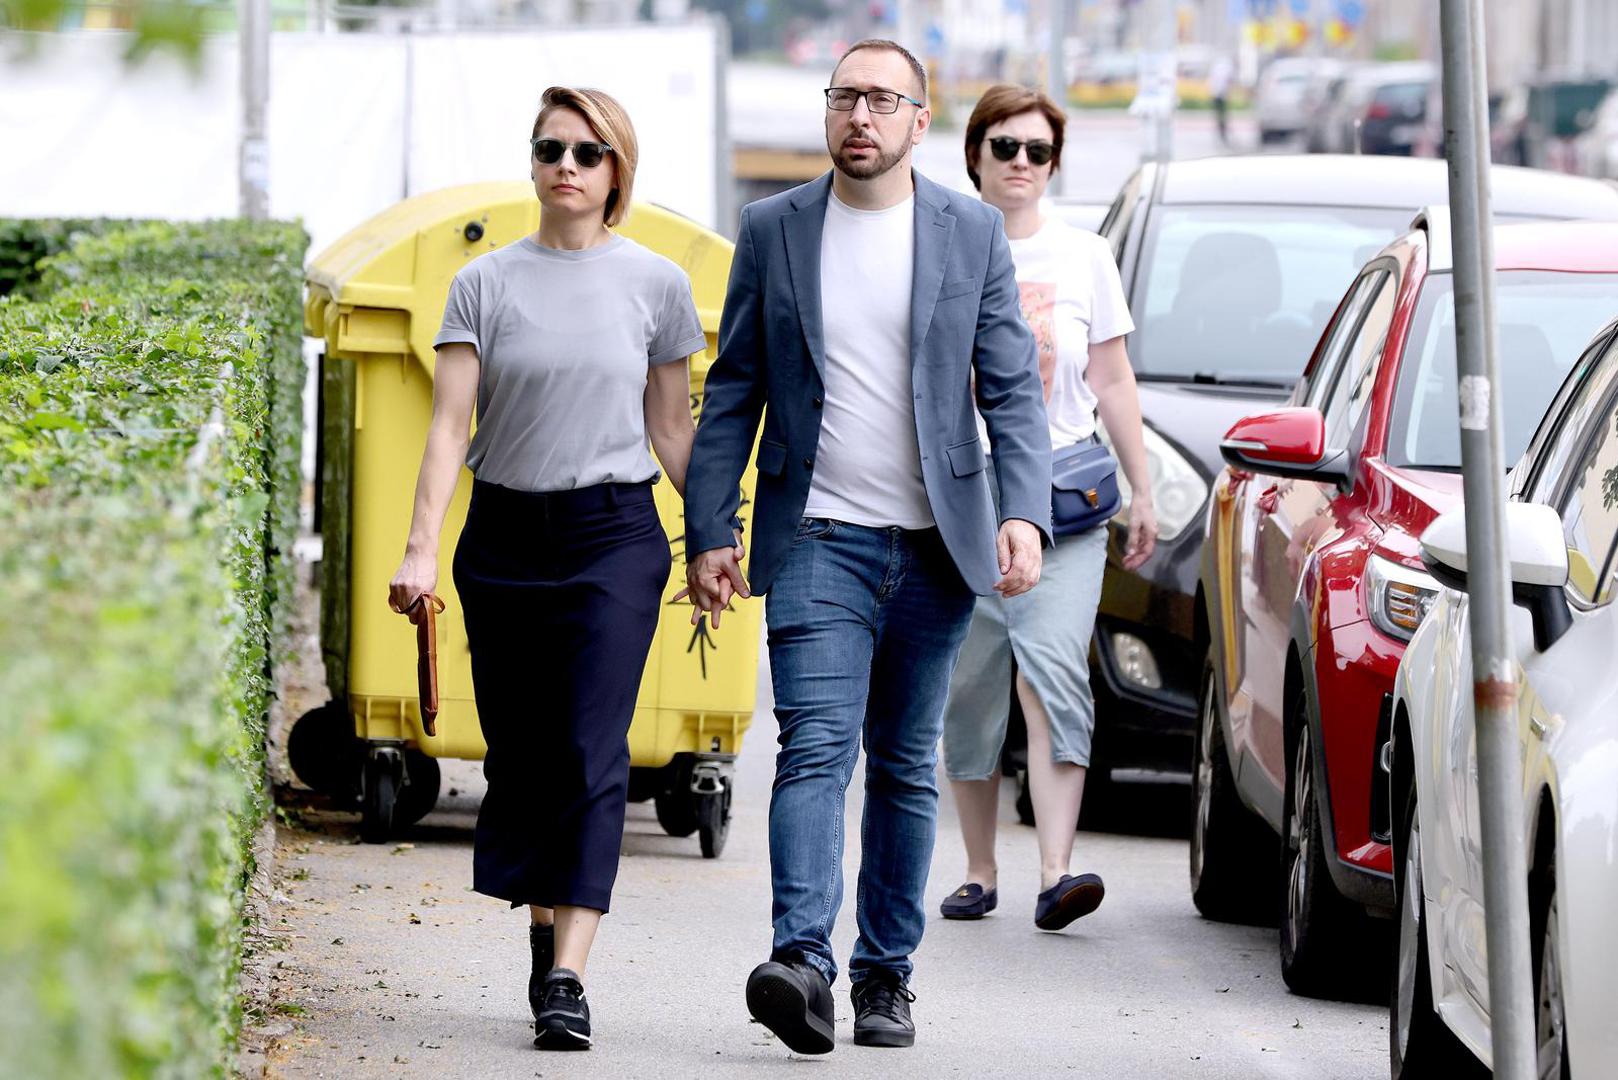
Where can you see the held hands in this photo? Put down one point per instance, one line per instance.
(1018, 548)
(712, 578)
(417, 574)
(1142, 533)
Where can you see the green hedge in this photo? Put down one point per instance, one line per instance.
(150, 427)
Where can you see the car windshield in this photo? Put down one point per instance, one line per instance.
(1242, 293)
(1545, 318)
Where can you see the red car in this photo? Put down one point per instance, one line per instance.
(1311, 585)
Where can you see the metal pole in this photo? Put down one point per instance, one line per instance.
(725, 192)
(253, 160)
(1155, 88)
(1494, 684)
(1056, 76)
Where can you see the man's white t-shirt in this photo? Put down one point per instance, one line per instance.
(868, 465)
(1072, 298)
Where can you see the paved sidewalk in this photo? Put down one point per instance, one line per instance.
(393, 968)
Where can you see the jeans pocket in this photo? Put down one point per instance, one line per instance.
(814, 529)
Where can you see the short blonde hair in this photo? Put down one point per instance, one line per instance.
(611, 124)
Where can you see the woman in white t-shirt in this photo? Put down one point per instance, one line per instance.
(1074, 302)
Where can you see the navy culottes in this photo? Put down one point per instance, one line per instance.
(561, 592)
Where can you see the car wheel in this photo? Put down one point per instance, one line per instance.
(1232, 851)
(1420, 1044)
(1550, 1024)
(1319, 929)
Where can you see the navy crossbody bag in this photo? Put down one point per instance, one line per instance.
(1084, 487)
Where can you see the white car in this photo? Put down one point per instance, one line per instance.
(1562, 538)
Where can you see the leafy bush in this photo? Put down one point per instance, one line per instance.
(150, 424)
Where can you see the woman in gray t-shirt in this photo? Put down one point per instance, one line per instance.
(572, 345)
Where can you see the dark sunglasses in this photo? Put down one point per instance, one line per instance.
(587, 154)
(1005, 148)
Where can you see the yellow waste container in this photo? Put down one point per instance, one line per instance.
(376, 297)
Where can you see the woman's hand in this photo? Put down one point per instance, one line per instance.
(1142, 533)
(417, 574)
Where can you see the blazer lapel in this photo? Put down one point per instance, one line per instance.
(802, 230)
(935, 228)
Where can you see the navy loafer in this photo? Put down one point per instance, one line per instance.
(970, 901)
(1069, 899)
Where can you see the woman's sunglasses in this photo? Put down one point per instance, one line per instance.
(1005, 148)
(587, 154)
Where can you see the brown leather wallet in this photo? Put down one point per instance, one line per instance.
(424, 613)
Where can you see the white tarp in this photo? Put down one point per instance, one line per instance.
(356, 121)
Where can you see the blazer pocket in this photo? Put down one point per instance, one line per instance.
(772, 457)
(951, 289)
(966, 458)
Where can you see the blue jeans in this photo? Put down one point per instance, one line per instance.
(864, 627)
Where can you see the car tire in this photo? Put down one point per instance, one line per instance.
(1550, 1017)
(1323, 936)
(1232, 852)
(1420, 1044)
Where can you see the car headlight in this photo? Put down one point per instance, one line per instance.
(1178, 490)
(1399, 596)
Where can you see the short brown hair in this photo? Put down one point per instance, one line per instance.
(1002, 102)
(610, 122)
(884, 45)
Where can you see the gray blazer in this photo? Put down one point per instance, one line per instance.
(966, 330)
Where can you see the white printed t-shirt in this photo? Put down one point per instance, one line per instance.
(1072, 298)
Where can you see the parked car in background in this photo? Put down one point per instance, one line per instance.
(1232, 267)
(1312, 586)
(1380, 109)
(1321, 102)
(1281, 97)
(1596, 151)
(1562, 541)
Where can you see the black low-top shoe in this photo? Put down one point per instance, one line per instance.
(970, 901)
(793, 999)
(542, 943)
(1069, 899)
(564, 1015)
(882, 1012)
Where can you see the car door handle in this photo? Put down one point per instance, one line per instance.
(1267, 499)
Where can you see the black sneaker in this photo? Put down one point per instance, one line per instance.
(542, 943)
(1069, 899)
(564, 1016)
(882, 1012)
(793, 1000)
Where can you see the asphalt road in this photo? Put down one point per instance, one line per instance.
(390, 966)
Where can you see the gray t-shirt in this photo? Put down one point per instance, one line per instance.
(564, 341)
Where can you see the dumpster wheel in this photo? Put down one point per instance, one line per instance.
(323, 752)
(676, 804)
(713, 817)
(379, 798)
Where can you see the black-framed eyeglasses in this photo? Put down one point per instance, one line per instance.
(1004, 148)
(844, 98)
(586, 153)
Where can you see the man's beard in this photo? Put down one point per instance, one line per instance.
(867, 168)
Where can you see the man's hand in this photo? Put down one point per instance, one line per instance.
(1020, 557)
(712, 578)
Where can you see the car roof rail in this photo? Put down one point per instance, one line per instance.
(1435, 222)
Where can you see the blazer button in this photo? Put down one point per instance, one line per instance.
(818, 403)
(808, 462)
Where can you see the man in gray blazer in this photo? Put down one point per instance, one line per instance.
(866, 311)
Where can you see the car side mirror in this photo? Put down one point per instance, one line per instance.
(1289, 442)
(1538, 558)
